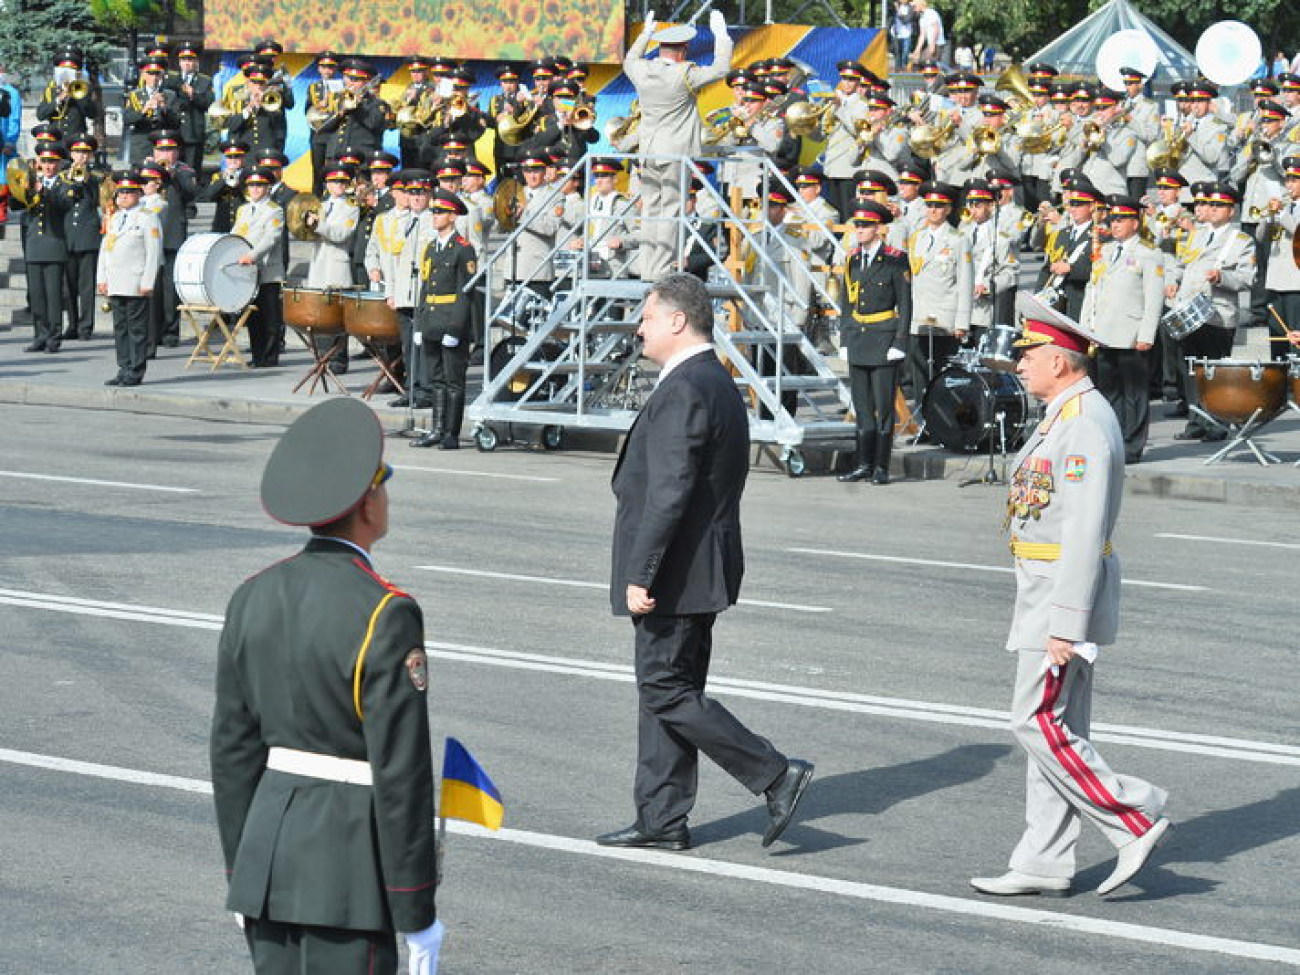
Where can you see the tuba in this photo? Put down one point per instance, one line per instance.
(514, 128)
(804, 119)
(931, 139)
(618, 129)
(1228, 53)
(1016, 85)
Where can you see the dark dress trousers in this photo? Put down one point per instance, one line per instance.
(82, 229)
(321, 655)
(877, 312)
(678, 484)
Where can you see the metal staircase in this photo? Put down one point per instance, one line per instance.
(573, 360)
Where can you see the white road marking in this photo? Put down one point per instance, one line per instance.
(931, 712)
(690, 863)
(97, 483)
(456, 473)
(581, 584)
(1226, 541)
(970, 565)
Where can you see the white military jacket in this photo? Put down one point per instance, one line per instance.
(1124, 298)
(130, 254)
(261, 224)
(331, 262)
(942, 288)
(1062, 506)
(1227, 250)
(1283, 274)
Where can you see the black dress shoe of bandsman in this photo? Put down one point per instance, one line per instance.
(783, 798)
(35, 347)
(857, 474)
(634, 836)
(449, 443)
(881, 476)
(428, 440)
(115, 381)
(1190, 433)
(130, 381)
(51, 348)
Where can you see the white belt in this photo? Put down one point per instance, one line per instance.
(315, 766)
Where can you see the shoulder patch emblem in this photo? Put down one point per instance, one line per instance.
(1076, 466)
(417, 668)
(470, 266)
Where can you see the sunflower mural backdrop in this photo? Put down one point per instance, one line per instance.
(483, 30)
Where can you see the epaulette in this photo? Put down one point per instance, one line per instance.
(1072, 407)
(360, 564)
(893, 252)
(462, 241)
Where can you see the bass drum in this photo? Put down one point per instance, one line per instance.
(961, 407)
(500, 357)
(208, 272)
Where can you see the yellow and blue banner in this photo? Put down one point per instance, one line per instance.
(467, 792)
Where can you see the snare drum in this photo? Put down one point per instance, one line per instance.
(318, 309)
(1232, 390)
(961, 407)
(997, 348)
(367, 317)
(208, 272)
(1185, 318)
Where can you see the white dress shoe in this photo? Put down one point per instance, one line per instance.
(1013, 883)
(1133, 856)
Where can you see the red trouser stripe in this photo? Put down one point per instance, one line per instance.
(1059, 743)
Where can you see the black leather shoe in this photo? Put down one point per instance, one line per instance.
(881, 476)
(51, 348)
(400, 401)
(634, 836)
(1190, 433)
(169, 341)
(449, 443)
(857, 474)
(34, 347)
(428, 440)
(70, 335)
(783, 798)
(130, 381)
(1214, 436)
(115, 381)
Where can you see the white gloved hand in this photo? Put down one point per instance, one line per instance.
(239, 920)
(450, 341)
(894, 355)
(423, 947)
(717, 23)
(649, 21)
(417, 338)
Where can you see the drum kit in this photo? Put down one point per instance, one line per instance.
(978, 402)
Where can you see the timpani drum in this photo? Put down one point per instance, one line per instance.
(1234, 390)
(208, 272)
(317, 309)
(368, 318)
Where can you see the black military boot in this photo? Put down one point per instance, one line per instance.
(866, 458)
(455, 414)
(885, 445)
(437, 420)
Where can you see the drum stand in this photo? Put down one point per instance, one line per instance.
(213, 326)
(990, 476)
(1241, 436)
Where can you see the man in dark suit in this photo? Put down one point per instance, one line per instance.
(322, 772)
(677, 563)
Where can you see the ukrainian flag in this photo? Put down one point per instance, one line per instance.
(467, 792)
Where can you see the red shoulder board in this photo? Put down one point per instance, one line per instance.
(892, 251)
(462, 241)
(855, 252)
(379, 579)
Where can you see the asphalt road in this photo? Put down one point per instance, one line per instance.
(869, 641)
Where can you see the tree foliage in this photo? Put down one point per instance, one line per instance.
(36, 30)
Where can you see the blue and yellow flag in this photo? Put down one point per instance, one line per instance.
(467, 792)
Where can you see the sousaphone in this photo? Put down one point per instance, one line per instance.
(1131, 48)
(1228, 53)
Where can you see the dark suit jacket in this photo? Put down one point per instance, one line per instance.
(678, 483)
(293, 653)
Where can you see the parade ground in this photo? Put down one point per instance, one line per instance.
(868, 640)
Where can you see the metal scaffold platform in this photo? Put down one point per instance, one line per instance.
(564, 352)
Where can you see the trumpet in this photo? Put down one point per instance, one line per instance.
(74, 90)
(984, 140)
(930, 140)
(77, 174)
(1094, 137)
(272, 100)
(584, 117)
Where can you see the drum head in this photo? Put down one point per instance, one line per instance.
(208, 272)
(961, 408)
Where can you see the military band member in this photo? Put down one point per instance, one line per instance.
(882, 145)
(963, 90)
(994, 268)
(268, 55)
(376, 197)
(1282, 284)
(443, 319)
(1068, 243)
(457, 119)
(327, 785)
(996, 148)
(361, 126)
(149, 108)
(419, 102)
(909, 208)
(260, 123)
(226, 186)
(877, 303)
(321, 100)
(529, 261)
(46, 246)
(260, 221)
(1101, 146)
(612, 213)
(69, 101)
(840, 156)
(194, 96)
(83, 233)
(401, 238)
(331, 260)
(1038, 159)
(1219, 260)
(507, 102)
(1122, 308)
(942, 287)
(758, 126)
(670, 124)
(1141, 113)
(574, 137)
(1063, 506)
(126, 272)
(1206, 133)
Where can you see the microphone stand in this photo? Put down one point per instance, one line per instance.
(999, 419)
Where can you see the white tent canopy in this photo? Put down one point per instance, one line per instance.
(1075, 51)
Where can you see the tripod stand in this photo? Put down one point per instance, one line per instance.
(991, 476)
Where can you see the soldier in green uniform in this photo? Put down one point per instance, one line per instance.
(442, 319)
(322, 772)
